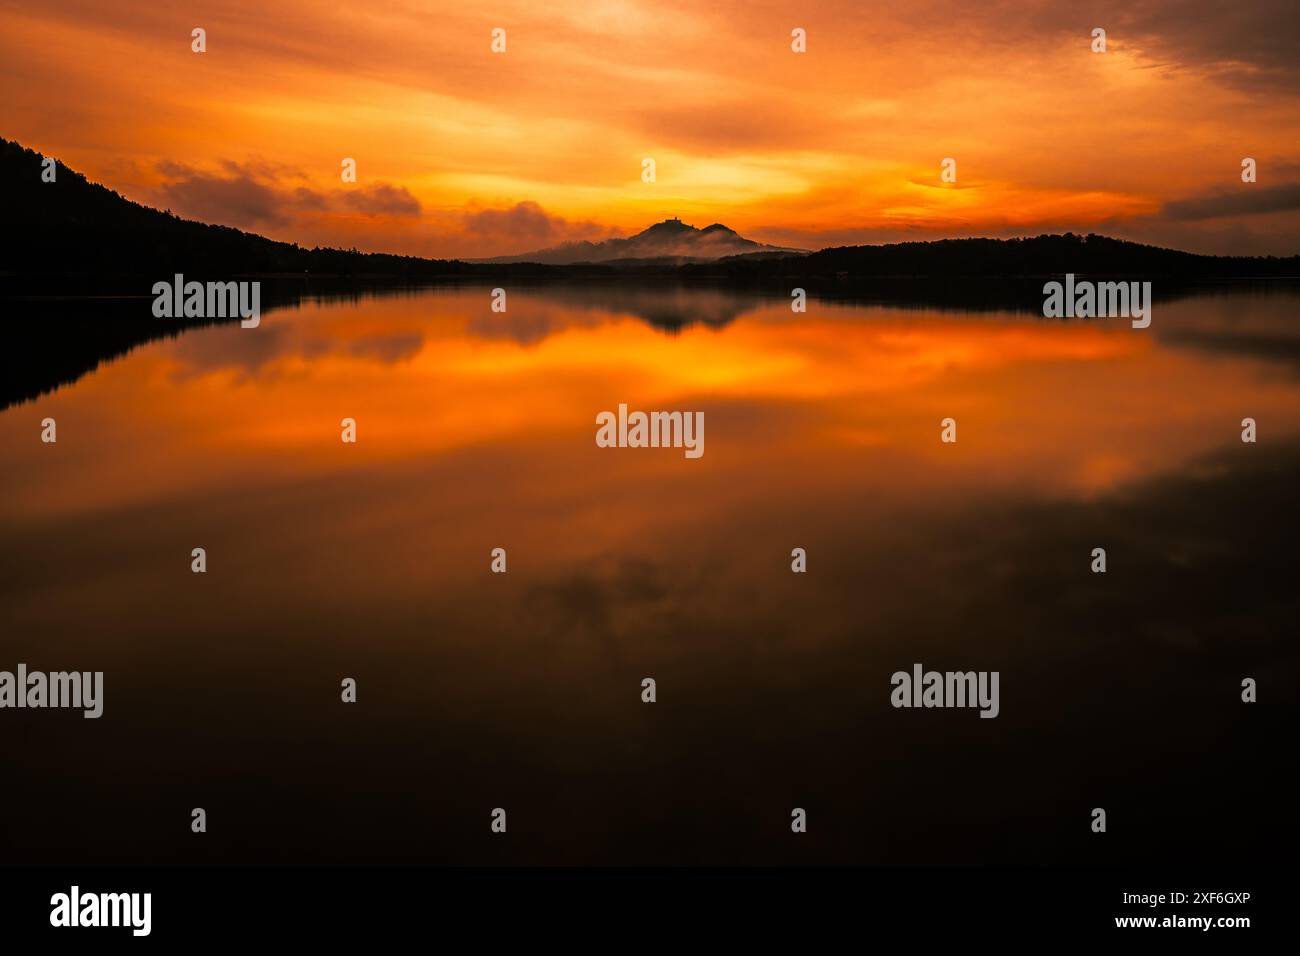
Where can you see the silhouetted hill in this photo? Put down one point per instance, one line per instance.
(671, 242)
(1034, 257)
(76, 228)
(66, 241)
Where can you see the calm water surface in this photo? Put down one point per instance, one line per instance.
(476, 690)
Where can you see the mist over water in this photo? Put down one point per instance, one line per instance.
(477, 690)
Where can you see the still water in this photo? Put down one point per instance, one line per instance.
(475, 431)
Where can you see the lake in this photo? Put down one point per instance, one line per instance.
(478, 690)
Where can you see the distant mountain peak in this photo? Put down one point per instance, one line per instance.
(672, 226)
(669, 239)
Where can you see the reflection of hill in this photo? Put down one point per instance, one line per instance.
(665, 306)
(79, 261)
(670, 307)
(53, 342)
(70, 337)
(49, 343)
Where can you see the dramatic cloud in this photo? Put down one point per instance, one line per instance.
(245, 195)
(304, 198)
(525, 223)
(465, 153)
(1251, 43)
(382, 200)
(235, 199)
(1246, 200)
(256, 195)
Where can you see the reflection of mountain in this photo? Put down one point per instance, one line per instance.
(665, 306)
(669, 242)
(71, 240)
(670, 307)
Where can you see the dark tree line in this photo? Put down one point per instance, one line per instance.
(74, 227)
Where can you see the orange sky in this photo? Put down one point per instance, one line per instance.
(463, 152)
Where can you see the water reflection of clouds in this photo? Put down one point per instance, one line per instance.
(1076, 408)
(394, 328)
(1249, 323)
(823, 433)
(285, 334)
(390, 329)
